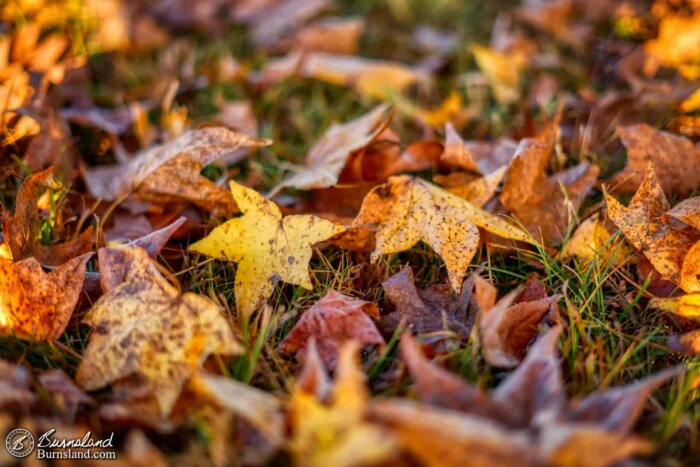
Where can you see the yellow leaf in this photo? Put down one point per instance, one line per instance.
(686, 306)
(592, 240)
(502, 70)
(36, 304)
(146, 328)
(677, 45)
(336, 433)
(406, 210)
(267, 247)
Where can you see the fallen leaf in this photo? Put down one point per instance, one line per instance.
(503, 71)
(688, 343)
(329, 155)
(332, 320)
(115, 260)
(508, 327)
(261, 409)
(480, 191)
(686, 306)
(22, 228)
(370, 77)
(676, 44)
(429, 310)
(266, 247)
(332, 35)
(526, 420)
(641, 223)
(35, 304)
(592, 240)
(170, 172)
(674, 158)
(336, 433)
(541, 202)
(479, 157)
(146, 328)
(65, 394)
(406, 210)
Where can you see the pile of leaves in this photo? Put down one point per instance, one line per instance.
(315, 232)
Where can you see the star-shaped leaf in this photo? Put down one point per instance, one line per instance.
(406, 210)
(267, 247)
(334, 319)
(146, 329)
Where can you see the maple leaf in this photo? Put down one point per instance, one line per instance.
(35, 304)
(674, 46)
(510, 325)
(332, 320)
(406, 210)
(537, 199)
(336, 433)
(480, 157)
(262, 410)
(429, 310)
(115, 260)
(267, 247)
(674, 159)
(146, 328)
(22, 228)
(593, 240)
(170, 172)
(526, 420)
(330, 153)
(641, 223)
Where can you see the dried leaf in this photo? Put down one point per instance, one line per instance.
(329, 155)
(541, 202)
(117, 259)
(405, 210)
(674, 158)
(332, 320)
(476, 156)
(266, 247)
(337, 433)
(509, 326)
(686, 306)
(146, 328)
(641, 224)
(503, 71)
(35, 304)
(430, 310)
(170, 172)
(22, 229)
(592, 240)
(261, 409)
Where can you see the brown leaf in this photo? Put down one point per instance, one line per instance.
(332, 320)
(479, 157)
(170, 172)
(115, 261)
(436, 386)
(441, 437)
(327, 158)
(674, 157)
(537, 199)
(617, 409)
(65, 394)
(508, 327)
(15, 386)
(430, 310)
(22, 228)
(640, 222)
(35, 304)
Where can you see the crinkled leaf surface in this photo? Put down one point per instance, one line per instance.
(267, 247)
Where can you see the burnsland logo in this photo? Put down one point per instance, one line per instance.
(20, 443)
